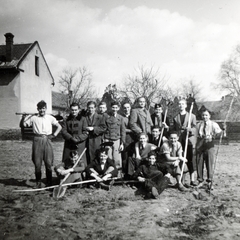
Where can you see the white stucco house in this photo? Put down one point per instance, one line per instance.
(25, 79)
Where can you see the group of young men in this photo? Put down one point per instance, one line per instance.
(131, 145)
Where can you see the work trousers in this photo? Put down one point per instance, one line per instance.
(159, 181)
(114, 154)
(205, 153)
(191, 157)
(42, 150)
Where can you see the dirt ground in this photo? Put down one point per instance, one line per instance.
(121, 213)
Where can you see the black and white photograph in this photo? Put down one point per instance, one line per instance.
(120, 119)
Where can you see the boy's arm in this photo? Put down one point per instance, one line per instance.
(137, 154)
(216, 130)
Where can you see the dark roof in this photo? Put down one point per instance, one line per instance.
(20, 51)
(213, 106)
(59, 100)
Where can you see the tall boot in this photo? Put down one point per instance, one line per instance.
(49, 177)
(38, 176)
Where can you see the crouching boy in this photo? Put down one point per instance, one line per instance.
(76, 173)
(102, 169)
(150, 175)
(171, 159)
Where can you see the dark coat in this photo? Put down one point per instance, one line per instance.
(73, 127)
(153, 117)
(179, 127)
(95, 137)
(95, 164)
(129, 132)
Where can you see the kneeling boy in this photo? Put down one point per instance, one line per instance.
(171, 159)
(66, 167)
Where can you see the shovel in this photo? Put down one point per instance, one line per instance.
(59, 191)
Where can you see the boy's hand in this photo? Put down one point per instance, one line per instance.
(138, 157)
(183, 159)
(165, 125)
(121, 147)
(90, 128)
(74, 140)
(176, 163)
(141, 179)
(98, 179)
(106, 177)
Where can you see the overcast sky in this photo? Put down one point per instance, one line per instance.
(183, 38)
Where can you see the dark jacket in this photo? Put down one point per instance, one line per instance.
(95, 136)
(95, 164)
(73, 127)
(179, 127)
(115, 128)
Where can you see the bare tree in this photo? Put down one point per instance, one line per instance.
(191, 88)
(145, 82)
(77, 85)
(229, 74)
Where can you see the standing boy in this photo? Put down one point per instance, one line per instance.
(129, 142)
(140, 119)
(158, 120)
(42, 149)
(102, 109)
(180, 124)
(115, 133)
(72, 132)
(207, 131)
(95, 127)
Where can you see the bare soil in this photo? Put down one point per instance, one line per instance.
(122, 213)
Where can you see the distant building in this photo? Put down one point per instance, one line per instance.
(25, 79)
(59, 103)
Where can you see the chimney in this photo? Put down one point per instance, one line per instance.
(9, 46)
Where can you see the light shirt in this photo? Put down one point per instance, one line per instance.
(42, 125)
(208, 129)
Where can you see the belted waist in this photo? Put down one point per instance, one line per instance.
(42, 135)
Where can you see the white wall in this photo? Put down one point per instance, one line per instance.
(34, 88)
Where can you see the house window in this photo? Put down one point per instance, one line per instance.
(37, 65)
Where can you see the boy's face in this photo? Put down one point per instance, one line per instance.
(127, 108)
(115, 109)
(102, 108)
(173, 138)
(42, 111)
(152, 159)
(205, 116)
(91, 108)
(142, 102)
(158, 111)
(143, 139)
(103, 156)
(155, 132)
(182, 105)
(74, 111)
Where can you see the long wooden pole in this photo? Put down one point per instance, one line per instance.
(64, 185)
(186, 140)
(162, 130)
